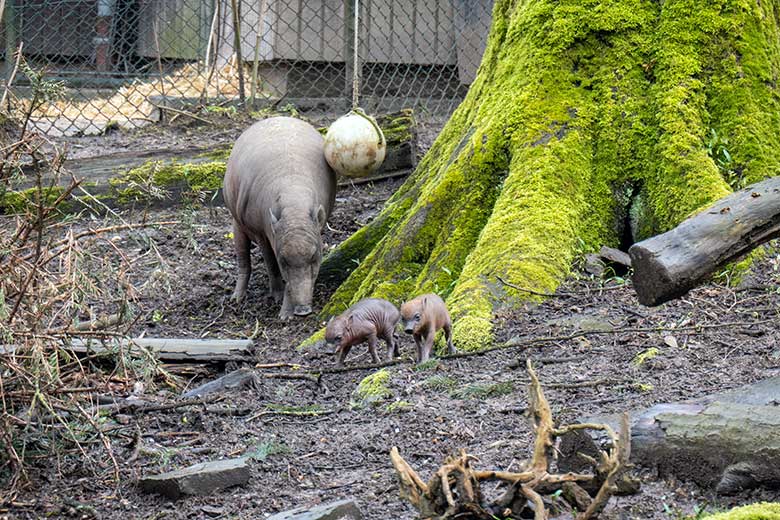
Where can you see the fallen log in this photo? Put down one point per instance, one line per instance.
(669, 265)
(175, 349)
(230, 381)
(728, 441)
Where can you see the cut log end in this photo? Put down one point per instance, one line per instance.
(652, 281)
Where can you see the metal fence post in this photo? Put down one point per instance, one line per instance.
(349, 48)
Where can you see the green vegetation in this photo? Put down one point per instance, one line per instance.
(440, 383)
(758, 511)
(645, 355)
(399, 406)
(27, 200)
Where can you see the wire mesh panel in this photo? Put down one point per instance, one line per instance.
(121, 59)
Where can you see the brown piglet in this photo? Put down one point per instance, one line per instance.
(367, 320)
(422, 317)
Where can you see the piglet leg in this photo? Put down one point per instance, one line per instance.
(392, 348)
(427, 347)
(448, 336)
(372, 341)
(241, 243)
(418, 347)
(343, 351)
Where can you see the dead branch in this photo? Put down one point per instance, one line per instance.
(454, 490)
(559, 294)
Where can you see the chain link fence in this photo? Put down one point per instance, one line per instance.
(121, 60)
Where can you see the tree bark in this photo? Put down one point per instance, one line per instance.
(669, 265)
(582, 113)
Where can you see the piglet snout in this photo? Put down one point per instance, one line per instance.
(302, 310)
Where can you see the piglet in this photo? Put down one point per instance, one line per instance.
(422, 317)
(367, 320)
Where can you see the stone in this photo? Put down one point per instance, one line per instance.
(201, 479)
(594, 265)
(615, 256)
(583, 322)
(343, 509)
(213, 511)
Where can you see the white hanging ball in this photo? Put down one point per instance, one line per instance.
(355, 145)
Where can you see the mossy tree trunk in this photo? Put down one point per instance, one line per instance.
(580, 109)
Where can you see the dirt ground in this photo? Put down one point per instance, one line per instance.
(183, 275)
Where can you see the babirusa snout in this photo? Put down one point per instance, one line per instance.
(301, 290)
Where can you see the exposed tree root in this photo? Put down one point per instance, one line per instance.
(454, 490)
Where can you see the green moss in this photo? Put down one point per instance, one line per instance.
(372, 390)
(23, 201)
(399, 406)
(315, 340)
(759, 511)
(735, 272)
(645, 355)
(153, 178)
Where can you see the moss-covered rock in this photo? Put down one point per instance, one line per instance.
(573, 102)
(372, 390)
(759, 511)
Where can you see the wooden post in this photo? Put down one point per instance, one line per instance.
(237, 48)
(669, 265)
(259, 38)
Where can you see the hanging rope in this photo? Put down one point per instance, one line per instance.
(355, 70)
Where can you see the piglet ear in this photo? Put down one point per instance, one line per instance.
(349, 320)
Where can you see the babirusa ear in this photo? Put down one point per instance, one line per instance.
(424, 302)
(274, 218)
(319, 216)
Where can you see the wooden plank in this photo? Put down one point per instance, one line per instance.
(168, 349)
(179, 349)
